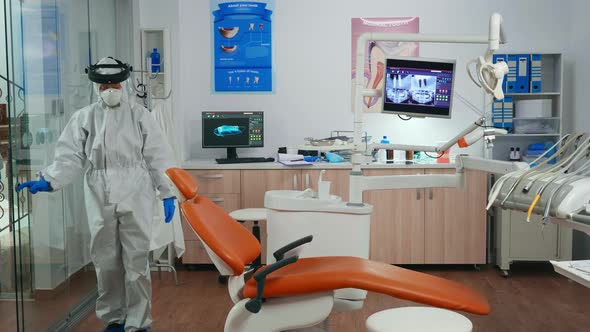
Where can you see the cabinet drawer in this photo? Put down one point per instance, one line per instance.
(217, 181)
(228, 202)
(195, 253)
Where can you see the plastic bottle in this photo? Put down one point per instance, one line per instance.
(517, 154)
(382, 154)
(155, 61)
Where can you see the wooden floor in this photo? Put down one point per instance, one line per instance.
(533, 298)
(41, 313)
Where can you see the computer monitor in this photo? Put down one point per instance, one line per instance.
(233, 130)
(419, 87)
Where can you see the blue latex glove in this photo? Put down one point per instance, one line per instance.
(333, 158)
(169, 208)
(35, 186)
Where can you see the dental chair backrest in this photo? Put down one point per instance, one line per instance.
(230, 245)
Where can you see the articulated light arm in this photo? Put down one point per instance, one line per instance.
(494, 38)
(359, 183)
(465, 138)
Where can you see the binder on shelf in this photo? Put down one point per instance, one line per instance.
(497, 108)
(508, 113)
(511, 76)
(501, 58)
(519, 74)
(536, 73)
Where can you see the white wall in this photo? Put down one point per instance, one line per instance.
(580, 47)
(164, 14)
(312, 63)
(580, 80)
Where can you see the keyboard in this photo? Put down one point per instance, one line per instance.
(245, 160)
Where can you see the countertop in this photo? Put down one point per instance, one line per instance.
(210, 164)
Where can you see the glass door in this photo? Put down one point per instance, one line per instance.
(47, 281)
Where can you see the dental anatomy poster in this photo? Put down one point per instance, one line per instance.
(377, 51)
(242, 45)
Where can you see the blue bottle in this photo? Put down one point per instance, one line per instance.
(155, 61)
(382, 153)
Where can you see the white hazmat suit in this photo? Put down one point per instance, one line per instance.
(127, 157)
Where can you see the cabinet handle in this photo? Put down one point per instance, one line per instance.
(210, 176)
(295, 180)
(431, 194)
(217, 200)
(306, 180)
(418, 196)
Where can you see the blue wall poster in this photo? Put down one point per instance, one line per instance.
(242, 45)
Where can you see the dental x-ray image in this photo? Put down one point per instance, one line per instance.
(398, 88)
(422, 89)
(410, 89)
(226, 131)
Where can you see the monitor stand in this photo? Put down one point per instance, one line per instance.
(232, 158)
(232, 153)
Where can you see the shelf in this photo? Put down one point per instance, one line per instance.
(528, 135)
(539, 118)
(532, 94)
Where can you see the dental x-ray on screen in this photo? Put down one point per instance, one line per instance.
(419, 87)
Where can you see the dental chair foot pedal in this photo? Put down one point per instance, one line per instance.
(418, 319)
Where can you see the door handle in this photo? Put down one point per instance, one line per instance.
(306, 180)
(295, 180)
(210, 176)
(418, 196)
(217, 200)
(431, 194)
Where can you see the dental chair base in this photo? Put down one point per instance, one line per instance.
(418, 319)
(281, 314)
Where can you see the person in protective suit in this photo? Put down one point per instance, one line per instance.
(126, 156)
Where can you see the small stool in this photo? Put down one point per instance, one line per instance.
(255, 215)
(418, 319)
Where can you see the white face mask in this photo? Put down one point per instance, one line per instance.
(111, 97)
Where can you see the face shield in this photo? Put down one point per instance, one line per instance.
(113, 76)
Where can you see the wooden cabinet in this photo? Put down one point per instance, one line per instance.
(429, 226)
(408, 226)
(455, 221)
(217, 181)
(397, 222)
(338, 178)
(256, 182)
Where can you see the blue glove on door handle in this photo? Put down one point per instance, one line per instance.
(169, 208)
(35, 186)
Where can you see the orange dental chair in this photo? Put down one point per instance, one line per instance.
(295, 293)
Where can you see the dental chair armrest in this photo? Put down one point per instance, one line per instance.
(254, 305)
(280, 253)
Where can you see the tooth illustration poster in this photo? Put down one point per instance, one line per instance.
(242, 45)
(377, 51)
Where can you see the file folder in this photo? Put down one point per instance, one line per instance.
(536, 73)
(519, 80)
(497, 109)
(508, 113)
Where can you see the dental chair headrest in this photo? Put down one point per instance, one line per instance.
(184, 182)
